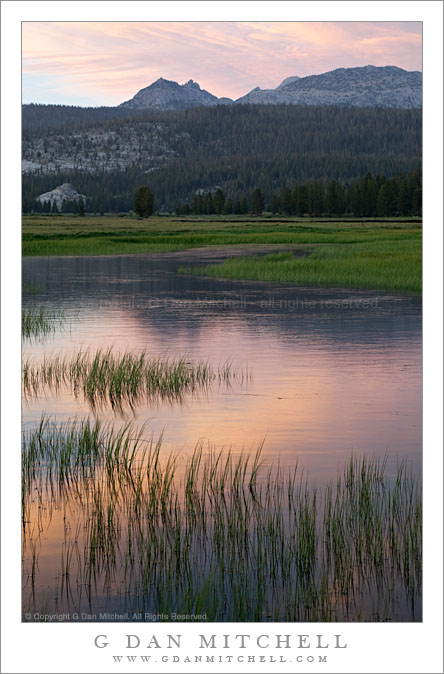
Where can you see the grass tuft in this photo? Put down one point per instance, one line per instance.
(40, 322)
(106, 377)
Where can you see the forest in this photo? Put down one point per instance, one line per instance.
(183, 155)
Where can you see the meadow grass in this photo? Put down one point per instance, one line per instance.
(219, 533)
(379, 254)
(390, 264)
(95, 225)
(119, 236)
(40, 322)
(106, 377)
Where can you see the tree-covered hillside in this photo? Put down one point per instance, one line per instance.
(236, 148)
(40, 116)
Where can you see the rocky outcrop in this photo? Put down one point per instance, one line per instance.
(65, 192)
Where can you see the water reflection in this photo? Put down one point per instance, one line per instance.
(334, 371)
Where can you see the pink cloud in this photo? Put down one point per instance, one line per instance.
(111, 61)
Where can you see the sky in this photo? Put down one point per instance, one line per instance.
(106, 63)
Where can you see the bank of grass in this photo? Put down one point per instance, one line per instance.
(220, 534)
(384, 264)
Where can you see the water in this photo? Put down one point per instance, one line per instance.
(334, 372)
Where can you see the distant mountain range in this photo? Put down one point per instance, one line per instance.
(369, 86)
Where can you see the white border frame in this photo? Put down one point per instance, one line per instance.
(399, 647)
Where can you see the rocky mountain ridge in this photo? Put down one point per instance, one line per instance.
(368, 86)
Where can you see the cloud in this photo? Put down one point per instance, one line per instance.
(108, 62)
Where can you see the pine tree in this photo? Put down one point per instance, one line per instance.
(369, 195)
(417, 201)
(357, 204)
(228, 206)
(302, 201)
(275, 204)
(386, 201)
(404, 198)
(286, 200)
(332, 198)
(197, 205)
(294, 198)
(415, 192)
(208, 204)
(218, 201)
(316, 199)
(257, 202)
(144, 202)
(341, 199)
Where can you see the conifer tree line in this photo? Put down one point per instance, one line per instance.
(367, 197)
(235, 148)
(67, 206)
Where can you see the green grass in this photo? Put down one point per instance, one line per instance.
(377, 254)
(40, 322)
(119, 236)
(109, 378)
(217, 533)
(385, 263)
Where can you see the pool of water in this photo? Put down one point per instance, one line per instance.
(332, 373)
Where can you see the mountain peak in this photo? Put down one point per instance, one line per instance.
(161, 81)
(364, 86)
(169, 95)
(288, 80)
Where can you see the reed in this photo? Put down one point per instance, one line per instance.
(40, 322)
(106, 377)
(220, 534)
(31, 288)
